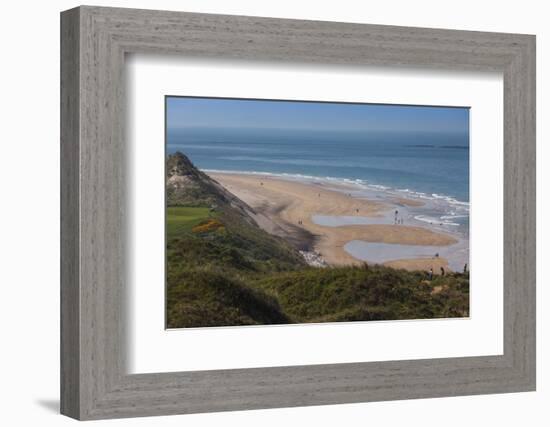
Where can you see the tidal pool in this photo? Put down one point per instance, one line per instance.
(338, 221)
(382, 252)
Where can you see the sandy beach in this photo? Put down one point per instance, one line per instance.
(286, 207)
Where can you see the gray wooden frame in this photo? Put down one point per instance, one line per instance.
(94, 41)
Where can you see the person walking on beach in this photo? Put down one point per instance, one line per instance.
(465, 268)
(442, 271)
(396, 213)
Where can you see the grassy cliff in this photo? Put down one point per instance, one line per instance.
(222, 269)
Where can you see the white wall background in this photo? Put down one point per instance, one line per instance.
(29, 212)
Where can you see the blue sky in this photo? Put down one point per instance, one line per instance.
(182, 112)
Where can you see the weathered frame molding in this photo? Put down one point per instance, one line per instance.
(94, 41)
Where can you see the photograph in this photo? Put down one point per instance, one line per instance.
(285, 212)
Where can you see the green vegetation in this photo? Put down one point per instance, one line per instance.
(222, 269)
(366, 293)
(182, 219)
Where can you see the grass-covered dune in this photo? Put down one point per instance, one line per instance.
(222, 269)
(365, 293)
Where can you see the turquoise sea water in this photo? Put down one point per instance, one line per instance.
(435, 164)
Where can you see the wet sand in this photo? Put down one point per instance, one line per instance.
(287, 206)
(408, 202)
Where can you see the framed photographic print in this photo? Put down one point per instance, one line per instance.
(288, 188)
(262, 213)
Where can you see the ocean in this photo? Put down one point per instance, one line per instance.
(431, 163)
(432, 167)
